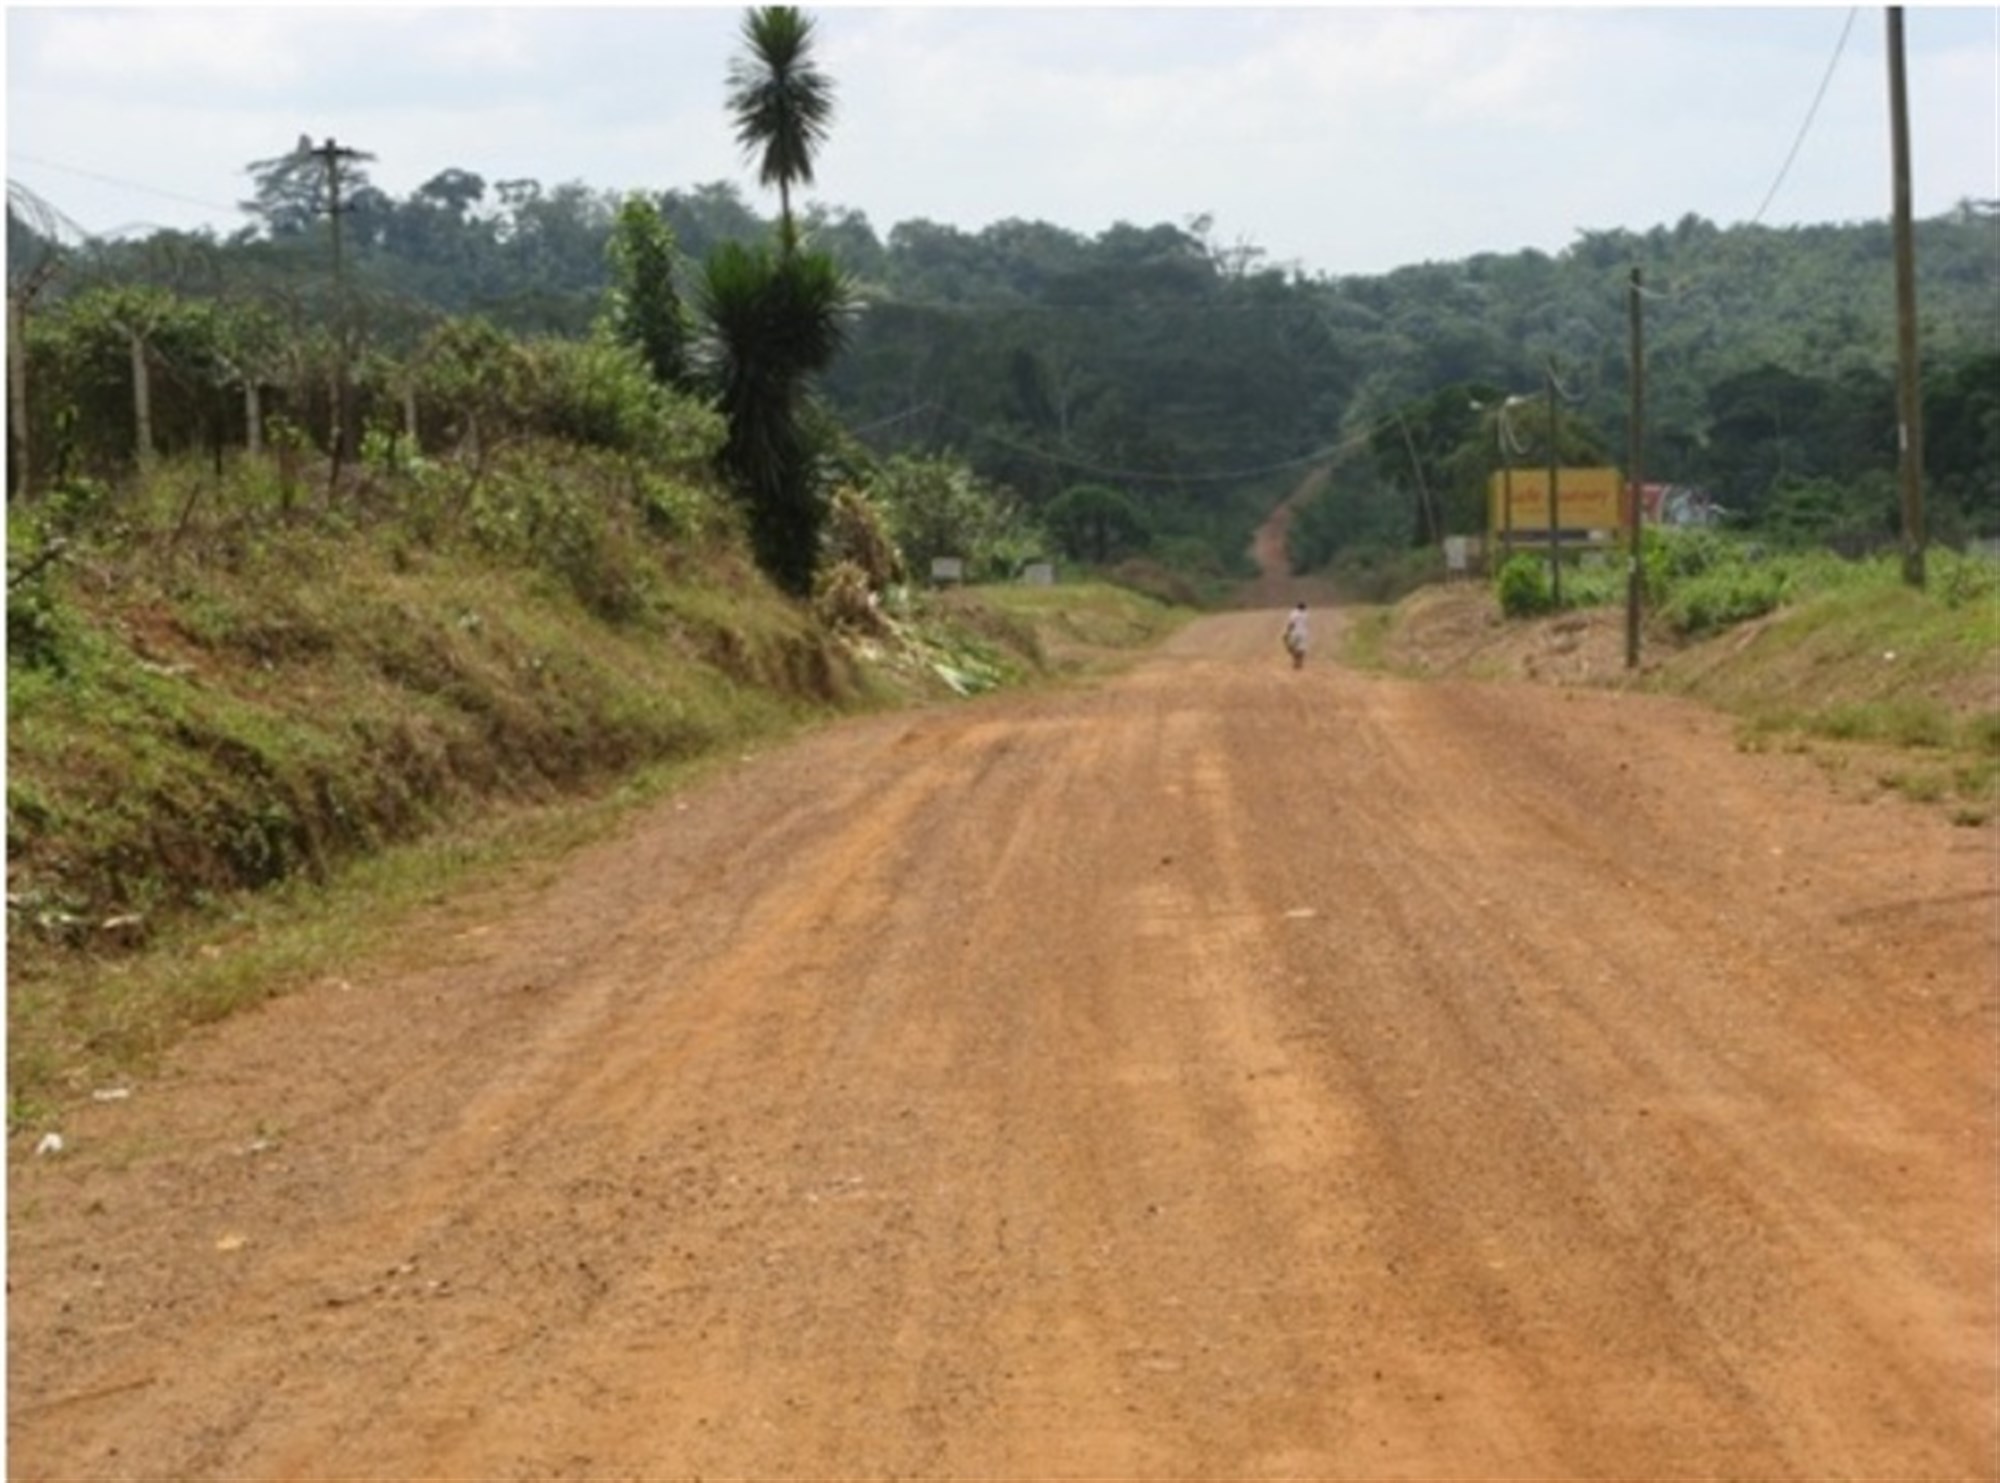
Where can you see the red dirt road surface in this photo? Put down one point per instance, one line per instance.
(1219, 1072)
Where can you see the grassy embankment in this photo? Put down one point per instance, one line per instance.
(1895, 687)
(244, 743)
(1885, 685)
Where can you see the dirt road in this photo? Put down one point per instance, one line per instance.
(1221, 1072)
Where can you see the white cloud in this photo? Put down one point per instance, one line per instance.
(1353, 139)
(182, 51)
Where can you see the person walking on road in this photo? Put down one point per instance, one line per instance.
(1295, 635)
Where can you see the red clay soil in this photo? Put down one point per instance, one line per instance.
(1219, 1072)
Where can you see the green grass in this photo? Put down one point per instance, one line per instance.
(1812, 651)
(1072, 626)
(1854, 657)
(1365, 638)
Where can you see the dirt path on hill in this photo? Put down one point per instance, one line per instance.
(1276, 586)
(1220, 1072)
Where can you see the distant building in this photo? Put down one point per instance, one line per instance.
(1679, 505)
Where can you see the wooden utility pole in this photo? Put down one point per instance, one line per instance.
(1634, 446)
(1426, 512)
(332, 156)
(142, 400)
(18, 446)
(1909, 400)
(1555, 497)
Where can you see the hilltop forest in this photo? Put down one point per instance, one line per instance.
(1150, 390)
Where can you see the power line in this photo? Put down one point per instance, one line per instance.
(1318, 455)
(1694, 286)
(893, 417)
(943, 309)
(1811, 113)
(121, 181)
(1561, 390)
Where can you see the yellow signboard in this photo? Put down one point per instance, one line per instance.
(1590, 499)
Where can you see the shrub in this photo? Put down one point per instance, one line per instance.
(37, 628)
(936, 506)
(1716, 599)
(1523, 587)
(600, 394)
(1961, 578)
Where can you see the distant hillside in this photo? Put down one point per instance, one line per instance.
(1196, 377)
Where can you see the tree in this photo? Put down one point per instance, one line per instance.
(454, 191)
(645, 307)
(773, 322)
(1962, 439)
(782, 102)
(706, 216)
(1095, 523)
(940, 507)
(290, 191)
(294, 190)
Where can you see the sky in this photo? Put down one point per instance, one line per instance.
(1337, 139)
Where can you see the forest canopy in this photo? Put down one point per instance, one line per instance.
(1194, 379)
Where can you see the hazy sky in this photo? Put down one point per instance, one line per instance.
(1341, 139)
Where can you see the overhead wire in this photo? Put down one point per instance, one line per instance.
(120, 181)
(1812, 113)
(1693, 288)
(892, 418)
(1215, 476)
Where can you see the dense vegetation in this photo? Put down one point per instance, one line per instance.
(1192, 378)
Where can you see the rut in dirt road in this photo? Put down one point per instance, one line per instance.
(1221, 1072)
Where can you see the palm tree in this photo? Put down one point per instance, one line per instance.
(773, 321)
(782, 102)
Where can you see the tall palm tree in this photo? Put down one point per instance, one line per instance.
(782, 102)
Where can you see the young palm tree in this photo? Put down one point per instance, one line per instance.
(782, 102)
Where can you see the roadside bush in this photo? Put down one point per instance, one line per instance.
(1699, 581)
(36, 627)
(1526, 588)
(1960, 578)
(563, 510)
(1719, 598)
(1668, 555)
(600, 394)
(1523, 587)
(1851, 517)
(938, 507)
(1595, 584)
